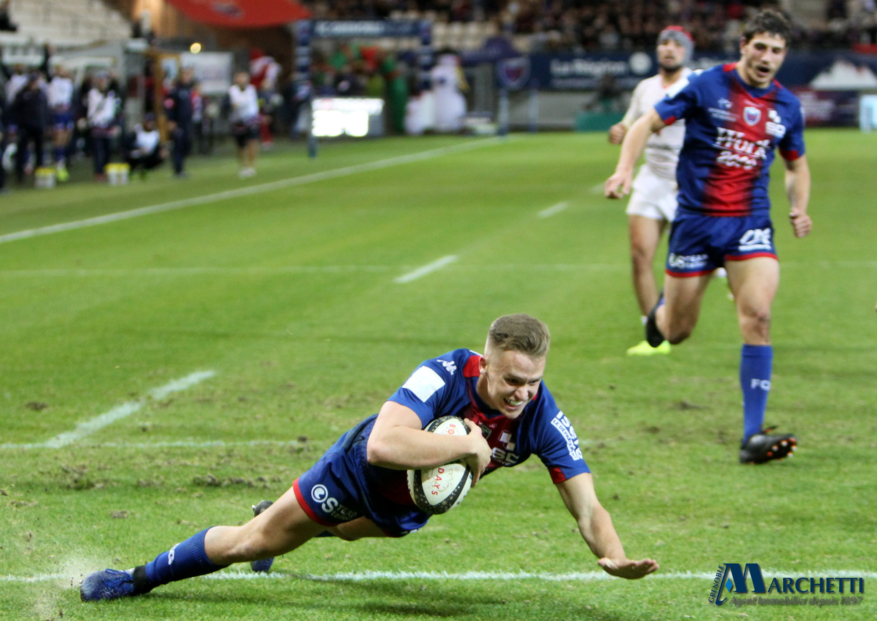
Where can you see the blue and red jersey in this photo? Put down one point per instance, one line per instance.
(446, 386)
(732, 130)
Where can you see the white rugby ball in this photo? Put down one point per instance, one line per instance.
(438, 490)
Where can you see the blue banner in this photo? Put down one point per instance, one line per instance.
(365, 28)
(839, 70)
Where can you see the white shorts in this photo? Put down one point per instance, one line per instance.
(652, 197)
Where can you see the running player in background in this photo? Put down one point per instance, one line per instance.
(243, 105)
(60, 97)
(736, 116)
(359, 487)
(653, 202)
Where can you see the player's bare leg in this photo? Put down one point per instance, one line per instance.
(754, 283)
(645, 235)
(678, 315)
(281, 528)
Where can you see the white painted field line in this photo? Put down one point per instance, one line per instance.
(126, 409)
(547, 213)
(198, 271)
(468, 576)
(426, 269)
(250, 190)
(160, 445)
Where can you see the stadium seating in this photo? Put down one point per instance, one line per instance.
(68, 22)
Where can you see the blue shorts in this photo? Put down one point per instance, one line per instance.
(62, 120)
(699, 244)
(337, 489)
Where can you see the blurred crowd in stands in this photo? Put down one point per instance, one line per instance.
(48, 121)
(588, 25)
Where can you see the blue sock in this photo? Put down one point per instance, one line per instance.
(756, 362)
(59, 155)
(185, 560)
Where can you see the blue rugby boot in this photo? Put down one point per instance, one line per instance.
(113, 584)
(264, 565)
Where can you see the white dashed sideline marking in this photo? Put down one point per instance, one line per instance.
(426, 269)
(126, 409)
(547, 213)
(162, 445)
(365, 576)
(247, 191)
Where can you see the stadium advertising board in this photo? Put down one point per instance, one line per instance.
(365, 28)
(348, 116)
(820, 71)
(212, 70)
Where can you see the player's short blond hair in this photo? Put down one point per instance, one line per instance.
(521, 333)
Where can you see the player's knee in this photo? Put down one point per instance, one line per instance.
(677, 333)
(758, 318)
(247, 544)
(641, 255)
(677, 336)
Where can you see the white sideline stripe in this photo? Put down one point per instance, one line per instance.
(587, 576)
(247, 191)
(201, 271)
(547, 213)
(126, 409)
(426, 269)
(343, 269)
(203, 444)
(598, 189)
(150, 445)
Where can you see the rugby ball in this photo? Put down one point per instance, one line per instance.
(438, 490)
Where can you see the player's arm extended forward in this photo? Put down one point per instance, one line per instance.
(798, 191)
(631, 149)
(398, 442)
(596, 527)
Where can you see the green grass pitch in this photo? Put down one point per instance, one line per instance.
(289, 294)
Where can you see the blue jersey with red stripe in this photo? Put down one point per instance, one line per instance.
(731, 133)
(446, 386)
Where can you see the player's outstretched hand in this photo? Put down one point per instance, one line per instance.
(479, 455)
(625, 568)
(618, 185)
(616, 133)
(801, 223)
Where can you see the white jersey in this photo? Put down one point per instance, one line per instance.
(244, 104)
(59, 93)
(662, 149)
(146, 141)
(14, 84)
(450, 105)
(101, 108)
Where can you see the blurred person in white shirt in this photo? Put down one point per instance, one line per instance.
(243, 104)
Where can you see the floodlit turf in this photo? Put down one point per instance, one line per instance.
(288, 293)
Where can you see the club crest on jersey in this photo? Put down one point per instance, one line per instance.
(751, 115)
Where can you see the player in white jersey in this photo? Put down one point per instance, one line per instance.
(653, 201)
(243, 102)
(447, 82)
(59, 93)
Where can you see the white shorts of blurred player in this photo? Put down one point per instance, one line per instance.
(653, 197)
